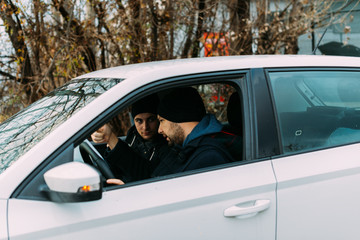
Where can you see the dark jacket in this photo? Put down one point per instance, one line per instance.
(147, 149)
(202, 148)
(135, 158)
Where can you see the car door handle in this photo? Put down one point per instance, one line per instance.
(236, 211)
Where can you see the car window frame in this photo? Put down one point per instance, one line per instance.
(221, 77)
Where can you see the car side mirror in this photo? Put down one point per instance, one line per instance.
(72, 182)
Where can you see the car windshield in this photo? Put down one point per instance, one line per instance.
(26, 128)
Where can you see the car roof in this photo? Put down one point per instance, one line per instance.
(167, 68)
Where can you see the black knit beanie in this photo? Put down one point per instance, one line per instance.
(182, 105)
(147, 104)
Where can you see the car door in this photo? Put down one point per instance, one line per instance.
(318, 194)
(188, 207)
(319, 172)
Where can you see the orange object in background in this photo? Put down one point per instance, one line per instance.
(216, 44)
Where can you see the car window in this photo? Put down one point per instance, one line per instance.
(217, 99)
(316, 108)
(22, 131)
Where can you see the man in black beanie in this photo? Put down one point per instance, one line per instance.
(186, 126)
(142, 138)
(143, 135)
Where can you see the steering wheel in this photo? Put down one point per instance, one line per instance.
(96, 159)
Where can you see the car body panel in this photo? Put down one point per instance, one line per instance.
(321, 189)
(180, 208)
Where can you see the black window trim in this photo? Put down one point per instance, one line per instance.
(265, 131)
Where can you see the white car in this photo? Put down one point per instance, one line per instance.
(298, 177)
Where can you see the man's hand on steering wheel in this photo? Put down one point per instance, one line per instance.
(96, 159)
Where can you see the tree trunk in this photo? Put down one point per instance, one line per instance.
(199, 31)
(87, 53)
(17, 38)
(239, 15)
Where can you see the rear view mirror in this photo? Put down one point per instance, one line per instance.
(73, 182)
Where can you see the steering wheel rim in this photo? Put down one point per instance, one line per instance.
(96, 159)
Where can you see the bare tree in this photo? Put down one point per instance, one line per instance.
(54, 41)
